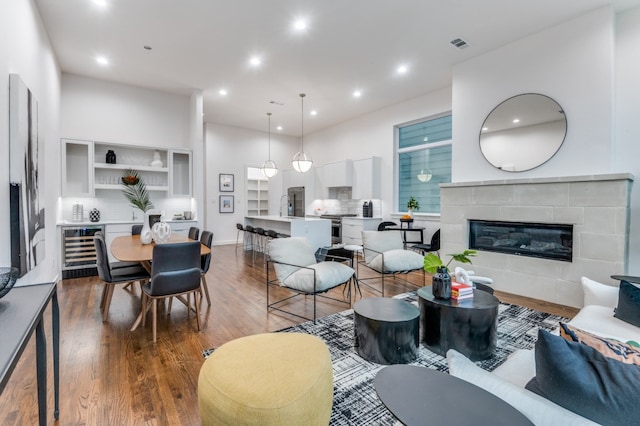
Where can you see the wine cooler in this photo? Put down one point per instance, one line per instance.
(78, 251)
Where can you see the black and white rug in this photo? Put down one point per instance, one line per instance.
(355, 401)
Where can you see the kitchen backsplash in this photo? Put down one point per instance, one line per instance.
(333, 206)
(114, 207)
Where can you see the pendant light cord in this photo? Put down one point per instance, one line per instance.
(269, 115)
(302, 95)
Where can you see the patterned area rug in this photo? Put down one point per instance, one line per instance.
(355, 401)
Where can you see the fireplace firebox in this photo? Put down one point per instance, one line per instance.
(542, 240)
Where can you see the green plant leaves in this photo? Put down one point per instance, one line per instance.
(432, 261)
(135, 190)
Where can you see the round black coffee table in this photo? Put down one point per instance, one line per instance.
(419, 395)
(386, 331)
(469, 327)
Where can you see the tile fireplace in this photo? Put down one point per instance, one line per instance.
(595, 206)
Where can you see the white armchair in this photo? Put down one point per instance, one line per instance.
(385, 254)
(294, 263)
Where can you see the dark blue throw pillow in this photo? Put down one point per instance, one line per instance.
(628, 309)
(579, 378)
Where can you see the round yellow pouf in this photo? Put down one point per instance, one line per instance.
(267, 379)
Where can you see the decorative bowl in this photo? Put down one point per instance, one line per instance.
(8, 277)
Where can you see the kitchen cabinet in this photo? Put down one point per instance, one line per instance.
(339, 173)
(352, 228)
(367, 182)
(257, 197)
(182, 227)
(77, 168)
(180, 173)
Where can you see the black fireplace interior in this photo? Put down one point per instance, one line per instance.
(543, 240)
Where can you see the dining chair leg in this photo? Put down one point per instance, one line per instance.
(107, 303)
(203, 285)
(188, 305)
(104, 296)
(169, 306)
(154, 309)
(195, 295)
(145, 300)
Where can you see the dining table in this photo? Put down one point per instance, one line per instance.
(129, 248)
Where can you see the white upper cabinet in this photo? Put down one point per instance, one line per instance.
(77, 168)
(367, 182)
(339, 173)
(180, 173)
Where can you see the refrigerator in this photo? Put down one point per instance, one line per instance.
(296, 205)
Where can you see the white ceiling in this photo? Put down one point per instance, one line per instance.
(349, 44)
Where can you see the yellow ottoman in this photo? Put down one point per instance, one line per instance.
(267, 379)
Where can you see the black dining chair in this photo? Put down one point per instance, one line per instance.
(175, 272)
(434, 245)
(136, 229)
(122, 274)
(205, 261)
(194, 233)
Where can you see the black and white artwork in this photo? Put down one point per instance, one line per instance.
(25, 172)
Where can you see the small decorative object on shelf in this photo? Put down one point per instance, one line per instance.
(8, 277)
(461, 291)
(157, 161)
(110, 157)
(161, 232)
(441, 280)
(94, 215)
(135, 190)
(78, 212)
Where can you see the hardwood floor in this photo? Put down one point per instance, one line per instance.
(112, 376)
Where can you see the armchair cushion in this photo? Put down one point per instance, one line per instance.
(376, 242)
(294, 251)
(596, 293)
(327, 275)
(397, 260)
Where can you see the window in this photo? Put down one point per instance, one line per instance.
(422, 148)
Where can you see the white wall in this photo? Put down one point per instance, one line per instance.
(373, 135)
(231, 150)
(626, 122)
(573, 64)
(25, 50)
(104, 111)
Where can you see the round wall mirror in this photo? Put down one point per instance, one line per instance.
(523, 132)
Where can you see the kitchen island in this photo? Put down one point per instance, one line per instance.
(317, 231)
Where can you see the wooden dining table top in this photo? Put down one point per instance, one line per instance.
(128, 248)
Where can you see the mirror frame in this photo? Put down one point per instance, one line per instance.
(547, 118)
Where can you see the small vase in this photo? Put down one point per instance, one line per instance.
(441, 284)
(410, 212)
(110, 157)
(145, 233)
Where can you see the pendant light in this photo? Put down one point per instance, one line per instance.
(302, 162)
(269, 168)
(422, 176)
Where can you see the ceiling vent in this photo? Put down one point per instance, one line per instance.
(276, 103)
(460, 43)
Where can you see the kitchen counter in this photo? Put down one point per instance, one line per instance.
(316, 230)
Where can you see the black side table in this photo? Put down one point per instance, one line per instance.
(386, 330)
(469, 327)
(21, 313)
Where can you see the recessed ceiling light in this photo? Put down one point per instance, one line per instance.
(255, 61)
(102, 60)
(279, 128)
(300, 24)
(222, 92)
(484, 129)
(516, 120)
(101, 3)
(402, 69)
(313, 112)
(357, 93)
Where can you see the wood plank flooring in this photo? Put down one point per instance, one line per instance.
(112, 376)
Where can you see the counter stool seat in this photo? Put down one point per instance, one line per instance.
(267, 379)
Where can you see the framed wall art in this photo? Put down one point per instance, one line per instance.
(226, 204)
(226, 182)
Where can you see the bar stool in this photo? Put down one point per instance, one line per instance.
(261, 236)
(249, 233)
(240, 228)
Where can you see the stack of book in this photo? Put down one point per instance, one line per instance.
(461, 291)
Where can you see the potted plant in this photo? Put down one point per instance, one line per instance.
(135, 190)
(412, 204)
(441, 281)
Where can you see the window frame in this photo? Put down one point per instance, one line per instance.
(397, 151)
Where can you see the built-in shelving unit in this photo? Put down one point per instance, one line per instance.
(87, 170)
(257, 197)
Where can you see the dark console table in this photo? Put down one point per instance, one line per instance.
(420, 396)
(21, 313)
(469, 327)
(386, 330)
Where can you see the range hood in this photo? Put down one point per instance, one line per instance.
(339, 192)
